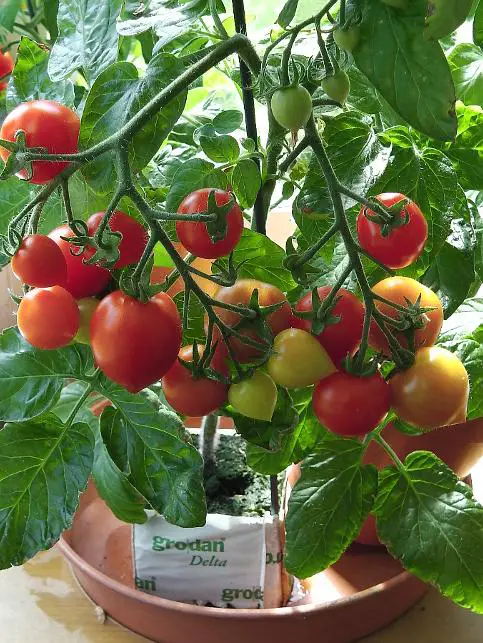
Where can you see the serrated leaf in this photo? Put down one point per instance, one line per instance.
(152, 449)
(466, 63)
(410, 71)
(431, 522)
(262, 259)
(228, 121)
(31, 379)
(30, 79)
(87, 38)
(246, 182)
(288, 12)
(221, 149)
(44, 466)
(328, 505)
(8, 13)
(196, 315)
(193, 175)
(116, 96)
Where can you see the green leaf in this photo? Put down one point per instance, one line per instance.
(467, 67)
(14, 195)
(262, 259)
(31, 379)
(296, 445)
(410, 71)
(87, 38)
(194, 330)
(463, 334)
(154, 452)
(68, 399)
(51, 8)
(44, 466)
(30, 79)
(8, 13)
(466, 152)
(431, 522)
(358, 158)
(221, 149)
(193, 175)
(328, 505)
(116, 96)
(246, 182)
(478, 25)
(227, 121)
(288, 12)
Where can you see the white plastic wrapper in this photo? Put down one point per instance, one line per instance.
(230, 562)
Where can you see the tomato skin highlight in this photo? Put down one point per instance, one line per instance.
(46, 124)
(6, 67)
(194, 235)
(397, 290)
(134, 236)
(83, 280)
(298, 360)
(86, 306)
(48, 318)
(351, 405)
(403, 245)
(135, 343)
(39, 262)
(239, 294)
(344, 337)
(432, 392)
(291, 107)
(195, 397)
(255, 397)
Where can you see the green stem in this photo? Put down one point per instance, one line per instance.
(392, 454)
(372, 205)
(313, 250)
(217, 22)
(294, 154)
(208, 435)
(285, 63)
(79, 404)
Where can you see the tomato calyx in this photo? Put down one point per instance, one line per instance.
(412, 317)
(102, 250)
(301, 272)
(388, 217)
(200, 365)
(217, 226)
(19, 158)
(353, 366)
(321, 314)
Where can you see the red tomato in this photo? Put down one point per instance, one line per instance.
(39, 262)
(82, 280)
(240, 294)
(134, 236)
(135, 343)
(46, 124)
(351, 405)
(342, 338)
(195, 237)
(195, 397)
(48, 318)
(6, 67)
(403, 245)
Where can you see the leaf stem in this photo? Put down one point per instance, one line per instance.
(79, 404)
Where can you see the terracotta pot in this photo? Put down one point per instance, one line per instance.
(365, 591)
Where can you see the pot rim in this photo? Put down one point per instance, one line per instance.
(196, 610)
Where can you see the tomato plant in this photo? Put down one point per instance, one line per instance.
(432, 392)
(48, 125)
(400, 291)
(194, 395)
(291, 107)
(48, 317)
(337, 86)
(342, 334)
(351, 405)
(83, 280)
(195, 236)
(134, 236)
(135, 343)
(399, 246)
(254, 397)
(6, 66)
(39, 262)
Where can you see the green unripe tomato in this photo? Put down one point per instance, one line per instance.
(337, 87)
(347, 39)
(445, 16)
(399, 4)
(87, 307)
(254, 397)
(292, 107)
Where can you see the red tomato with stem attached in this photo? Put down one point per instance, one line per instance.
(135, 343)
(196, 397)
(46, 124)
(240, 294)
(6, 67)
(39, 262)
(194, 235)
(351, 405)
(343, 337)
(404, 244)
(134, 236)
(83, 280)
(48, 318)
